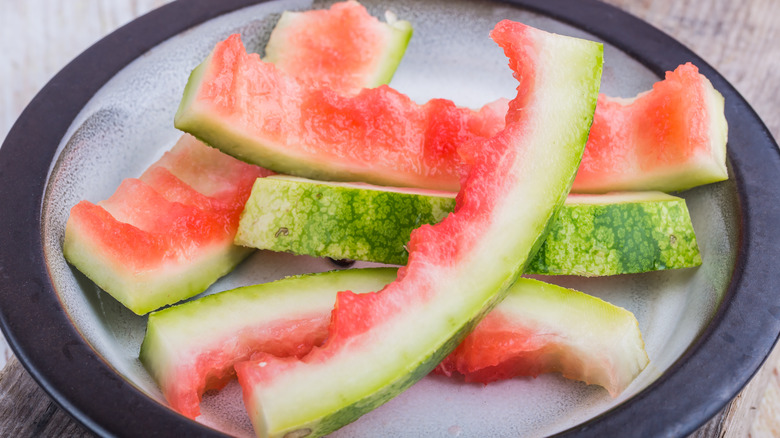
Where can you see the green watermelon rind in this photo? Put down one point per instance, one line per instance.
(597, 235)
(618, 233)
(337, 220)
(317, 398)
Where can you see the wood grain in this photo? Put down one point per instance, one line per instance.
(27, 411)
(739, 39)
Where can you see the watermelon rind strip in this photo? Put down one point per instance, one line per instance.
(598, 235)
(221, 325)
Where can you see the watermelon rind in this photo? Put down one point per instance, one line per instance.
(601, 346)
(218, 330)
(200, 120)
(166, 236)
(210, 128)
(592, 235)
(676, 147)
(545, 328)
(154, 288)
(618, 233)
(186, 344)
(436, 302)
(338, 220)
(397, 34)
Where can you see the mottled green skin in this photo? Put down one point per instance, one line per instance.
(333, 221)
(354, 223)
(623, 238)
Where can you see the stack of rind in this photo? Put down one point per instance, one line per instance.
(614, 380)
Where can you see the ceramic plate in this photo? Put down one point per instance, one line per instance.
(108, 115)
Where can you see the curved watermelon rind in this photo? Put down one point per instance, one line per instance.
(321, 393)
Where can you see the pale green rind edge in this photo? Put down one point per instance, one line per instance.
(400, 32)
(317, 419)
(151, 290)
(600, 343)
(175, 336)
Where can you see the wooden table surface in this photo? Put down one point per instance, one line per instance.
(740, 39)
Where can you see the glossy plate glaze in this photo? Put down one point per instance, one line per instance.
(108, 115)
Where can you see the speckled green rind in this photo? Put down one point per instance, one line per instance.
(342, 221)
(618, 234)
(595, 235)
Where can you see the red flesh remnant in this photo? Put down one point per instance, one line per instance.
(660, 134)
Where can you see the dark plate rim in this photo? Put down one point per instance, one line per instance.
(710, 373)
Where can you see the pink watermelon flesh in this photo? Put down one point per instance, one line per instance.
(343, 48)
(440, 254)
(191, 348)
(213, 366)
(541, 328)
(507, 343)
(292, 127)
(672, 137)
(158, 240)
